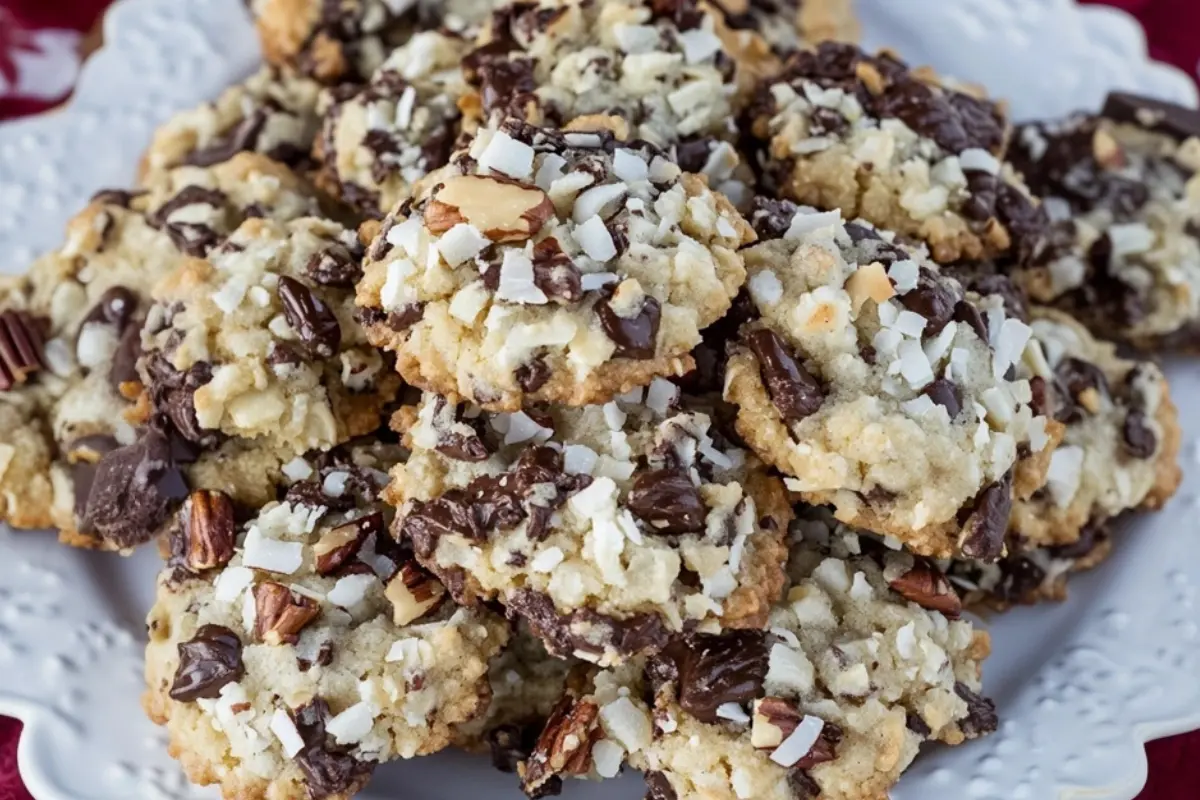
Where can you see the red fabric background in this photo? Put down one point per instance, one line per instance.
(1173, 29)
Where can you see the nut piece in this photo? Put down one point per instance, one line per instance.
(1106, 150)
(20, 348)
(281, 613)
(565, 745)
(208, 529)
(503, 211)
(414, 593)
(337, 546)
(596, 123)
(926, 586)
(774, 720)
(869, 283)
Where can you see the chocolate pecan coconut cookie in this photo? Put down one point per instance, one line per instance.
(273, 112)
(606, 528)
(76, 317)
(550, 266)
(347, 40)
(290, 655)
(654, 71)
(867, 135)
(379, 138)
(1123, 190)
(880, 386)
(860, 665)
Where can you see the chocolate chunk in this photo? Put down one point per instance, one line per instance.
(987, 520)
(1015, 303)
(658, 787)
(511, 745)
(334, 267)
(188, 196)
(692, 154)
(981, 712)
(718, 669)
(1174, 120)
(136, 487)
(824, 749)
(795, 393)
(533, 375)
(209, 660)
(946, 394)
(1078, 376)
(406, 317)
(636, 336)
(803, 786)
(1139, 438)
(968, 313)
(554, 272)
(933, 300)
(123, 369)
(193, 238)
(21, 348)
(115, 307)
(172, 397)
(506, 84)
(1020, 579)
(641, 633)
(668, 501)
(242, 138)
(84, 454)
(917, 725)
(460, 445)
(1091, 536)
(683, 13)
(312, 320)
(328, 768)
(115, 197)
(772, 218)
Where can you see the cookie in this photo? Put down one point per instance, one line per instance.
(545, 266)
(346, 41)
(1120, 446)
(865, 134)
(606, 528)
(290, 655)
(526, 684)
(379, 138)
(833, 701)
(652, 71)
(89, 299)
(1123, 191)
(273, 112)
(251, 358)
(880, 387)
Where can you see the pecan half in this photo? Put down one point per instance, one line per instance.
(281, 613)
(20, 348)
(504, 211)
(565, 746)
(208, 529)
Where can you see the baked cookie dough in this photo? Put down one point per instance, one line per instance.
(379, 138)
(867, 135)
(347, 40)
(881, 387)
(606, 528)
(273, 112)
(1121, 440)
(550, 266)
(1123, 191)
(88, 300)
(859, 667)
(653, 71)
(290, 655)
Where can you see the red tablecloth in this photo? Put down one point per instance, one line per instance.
(26, 87)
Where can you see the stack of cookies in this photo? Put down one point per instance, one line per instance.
(601, 384)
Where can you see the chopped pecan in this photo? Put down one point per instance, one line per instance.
(414, 593)
(565, 746)
(338, 546)
(208, 529)
(774, 720)
(502, 210)
(281, 613)
(926, 586)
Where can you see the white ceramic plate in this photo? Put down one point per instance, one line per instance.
(1080, 686)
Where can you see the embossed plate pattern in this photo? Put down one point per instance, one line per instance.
(1080, 686)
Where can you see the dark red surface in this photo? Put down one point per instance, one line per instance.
(1172, 27)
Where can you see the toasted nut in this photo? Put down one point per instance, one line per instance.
(337, 546)
(926, 586)
(869, 283)
(281, 613)
(504, 211)
(414, 593)
(565, 745)
(208, 529)
(1106, 150)
(870, 77)
(594, 123)
(1090, 399)
(774, 720)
